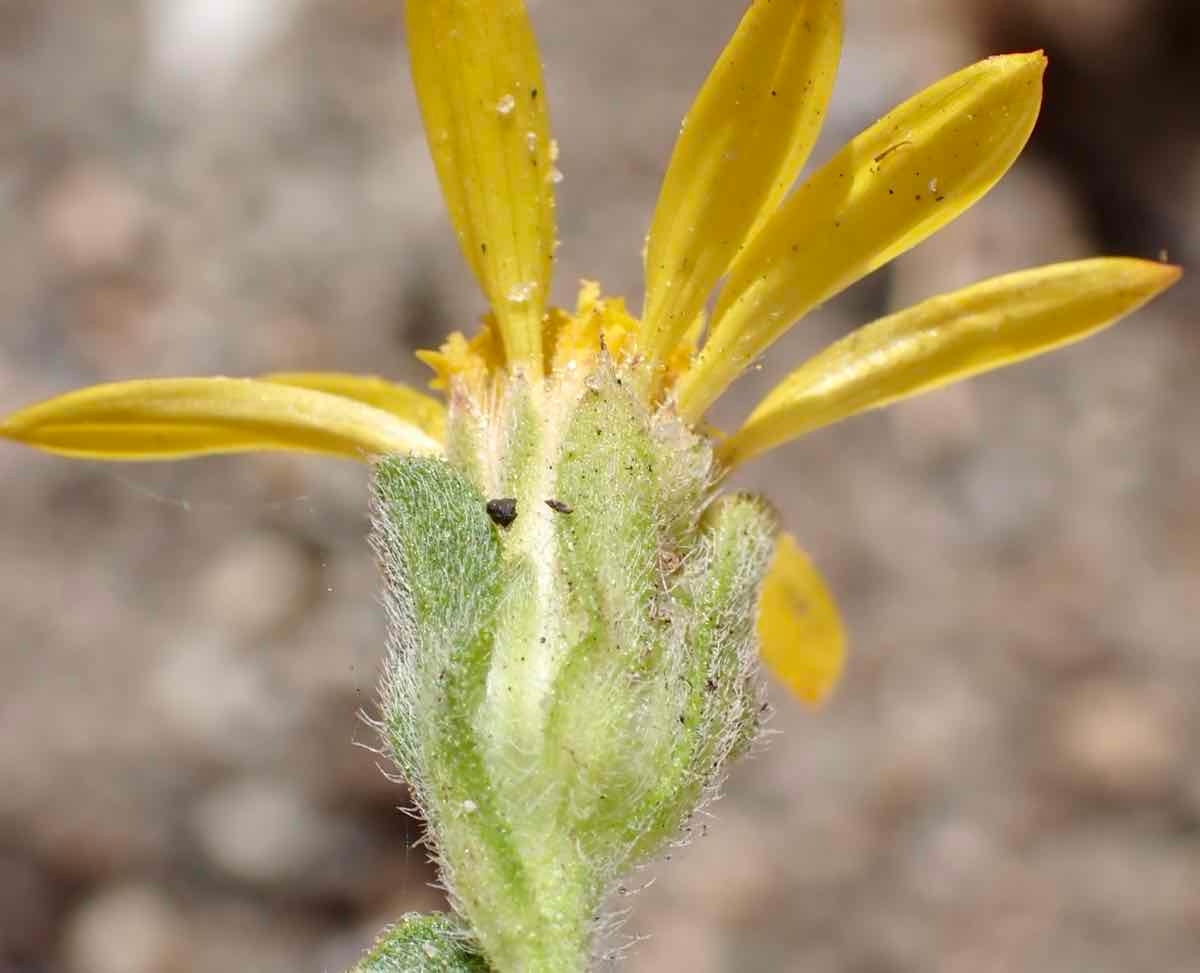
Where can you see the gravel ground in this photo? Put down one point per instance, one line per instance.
(1008, 777)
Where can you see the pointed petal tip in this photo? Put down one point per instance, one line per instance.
(1022, 60)
(11, 428)
(1027, 65)
(1148, 278)
(1164, 275)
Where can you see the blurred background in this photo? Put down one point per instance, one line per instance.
(1009, 775)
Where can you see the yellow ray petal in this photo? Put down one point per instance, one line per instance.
(479, 81)
(800, 632)
(172, 418)
(947, 338)
(423, 411)
(889, 188)
(741, 146)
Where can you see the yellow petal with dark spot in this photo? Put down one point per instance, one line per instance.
(173, 418)
(800, 631)
(741, 147)
(479, 82)
(947, 338)
(886, 191)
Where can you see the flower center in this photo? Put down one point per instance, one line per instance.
(572, 342)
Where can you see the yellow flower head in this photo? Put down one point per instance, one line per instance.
(725, 224)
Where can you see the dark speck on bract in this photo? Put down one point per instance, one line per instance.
(503, 511)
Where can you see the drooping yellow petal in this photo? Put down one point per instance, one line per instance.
(172, 418)
(479, 81)
(800, 632)
(947, 338)
(887, 190)
(423, 411)
(741, 147)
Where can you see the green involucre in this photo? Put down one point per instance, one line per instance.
(423, 944)
(564, 692)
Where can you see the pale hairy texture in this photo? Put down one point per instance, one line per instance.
(423, 944)
(567, 689)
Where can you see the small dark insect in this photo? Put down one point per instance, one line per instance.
(710, 684)
(503, 511)
(559, 507)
